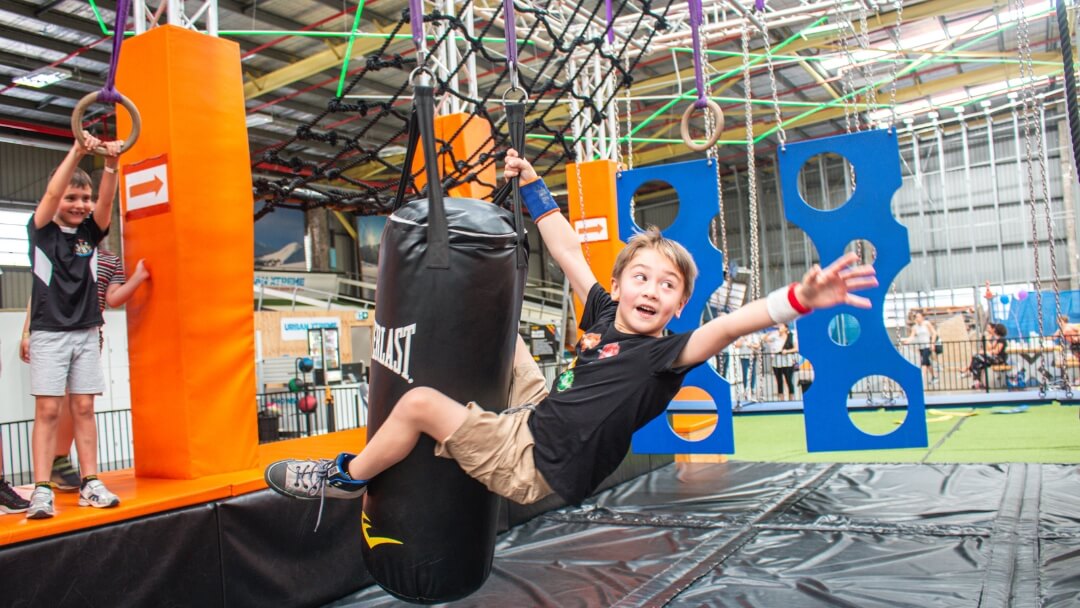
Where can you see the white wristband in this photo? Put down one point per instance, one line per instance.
(109, 169)
(779, 306)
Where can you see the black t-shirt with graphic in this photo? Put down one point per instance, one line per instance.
(616, 385)
(64, 263)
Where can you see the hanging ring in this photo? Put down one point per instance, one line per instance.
(423, 69)
(718, 118)
(506, 94)
(80, 109)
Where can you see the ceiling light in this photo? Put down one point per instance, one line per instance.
(42, 77)
(254, 120)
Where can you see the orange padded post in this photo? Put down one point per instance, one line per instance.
(595, 216)
(472, 141)
(187, 207)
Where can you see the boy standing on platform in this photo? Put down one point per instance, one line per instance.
(64, 318)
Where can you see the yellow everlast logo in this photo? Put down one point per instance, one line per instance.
(374, 541)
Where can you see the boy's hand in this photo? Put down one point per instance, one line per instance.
(89, 143)
(112, 148)
(142, 271)
(519, 167)
(24, 350)
(824, 288)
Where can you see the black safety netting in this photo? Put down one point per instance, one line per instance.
(555, 79)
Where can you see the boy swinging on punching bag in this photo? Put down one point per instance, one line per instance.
(625, 373)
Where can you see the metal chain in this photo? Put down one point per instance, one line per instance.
(847, 79)
(781, 134)
(579, 146)
(1027, 78)
(868, 66)
(899, 4)
(751, 168)
(629, 127)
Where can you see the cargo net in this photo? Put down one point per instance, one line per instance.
(572, 74)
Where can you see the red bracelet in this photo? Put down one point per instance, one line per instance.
(798, 306)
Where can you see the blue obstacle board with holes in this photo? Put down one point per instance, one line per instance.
(875, 157)
(695, 185)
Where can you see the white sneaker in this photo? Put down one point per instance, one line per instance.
(41, 503)
(95, 494)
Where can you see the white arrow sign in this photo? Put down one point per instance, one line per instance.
(147, 186)
(592, 229)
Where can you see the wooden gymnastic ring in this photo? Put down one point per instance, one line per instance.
(80, 109)
(684, 128)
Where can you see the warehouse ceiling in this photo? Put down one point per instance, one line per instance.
(837, 65)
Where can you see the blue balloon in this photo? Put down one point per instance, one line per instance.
(1004, 299)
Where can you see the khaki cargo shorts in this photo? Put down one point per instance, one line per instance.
(497, 449)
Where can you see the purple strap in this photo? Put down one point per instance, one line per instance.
(511, 35)
(759, 6)
(610, 23)
(108, 94)
(416, 19)
(699, 73)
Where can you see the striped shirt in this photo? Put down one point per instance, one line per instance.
(110, 270)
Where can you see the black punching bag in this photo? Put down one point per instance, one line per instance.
(446, 313)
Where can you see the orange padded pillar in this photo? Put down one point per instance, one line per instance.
(471, 139)
(187, 208)
(595, 216)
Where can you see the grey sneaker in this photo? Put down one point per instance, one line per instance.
(41, 503)
(64, 476)
(10, 500)
(95, 494)
(312, 479)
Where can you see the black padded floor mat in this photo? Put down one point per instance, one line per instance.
(773, 535)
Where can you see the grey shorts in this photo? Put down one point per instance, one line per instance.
(65, 360)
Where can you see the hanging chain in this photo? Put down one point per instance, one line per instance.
(899, 4)
(751, 168)
(1033, 148)
(780, 133)
(868, 66)
(629, 126)
(847, 78)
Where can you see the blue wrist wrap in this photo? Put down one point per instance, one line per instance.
(538, 199)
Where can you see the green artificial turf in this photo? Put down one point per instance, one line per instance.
(1042, 433)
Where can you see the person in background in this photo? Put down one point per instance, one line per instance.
(994, 355)
(923, 335)
(784, 350)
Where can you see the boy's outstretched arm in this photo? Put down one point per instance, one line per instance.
(559, 236)
(117, 294)
(61, 179)
(820, 288)
(107, 186)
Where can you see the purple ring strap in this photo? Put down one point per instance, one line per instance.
(416, 20)
(610, 23)
(509, 29)
(699, 72)
(108, 92)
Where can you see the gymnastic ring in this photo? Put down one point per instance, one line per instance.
(424, 69)
(80, 109)
(684, 128)
(518, 88)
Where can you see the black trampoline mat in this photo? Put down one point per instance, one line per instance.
(782, 535)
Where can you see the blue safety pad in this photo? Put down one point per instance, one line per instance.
(694, 183)
(875, 156)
